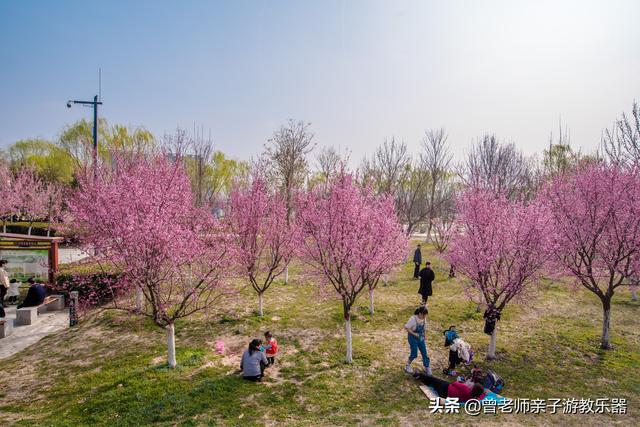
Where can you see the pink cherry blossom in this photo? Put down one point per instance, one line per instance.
(351, 238)
(9, 196)
(30, 196)
(501, 246)
(596, 222)
(140, 220)
(258, 219)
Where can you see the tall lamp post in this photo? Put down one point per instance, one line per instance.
(95, 104)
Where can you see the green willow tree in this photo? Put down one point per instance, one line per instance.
(46, 158)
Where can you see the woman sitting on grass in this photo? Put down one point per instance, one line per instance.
(462, 390)
(253, 362)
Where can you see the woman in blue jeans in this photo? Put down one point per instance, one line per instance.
(416, 328)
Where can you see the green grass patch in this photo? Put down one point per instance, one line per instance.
(111, 370)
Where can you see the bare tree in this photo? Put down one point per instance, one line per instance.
(202, 150)
(330, 162)
(176, 144)
(287, 152)
(195, 152)
(412, 196)
(498, 166)
(621, 143)
(436, 158)
(422, 185)
(389, 166)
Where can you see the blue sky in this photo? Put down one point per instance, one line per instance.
(359, 71)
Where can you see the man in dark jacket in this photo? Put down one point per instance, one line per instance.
(417, 260)
(426, 277)
(35, 295)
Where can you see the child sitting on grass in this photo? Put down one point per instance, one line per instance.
(270, 348)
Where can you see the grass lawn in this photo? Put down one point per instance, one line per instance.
(110, 370)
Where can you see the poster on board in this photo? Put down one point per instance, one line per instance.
(25, 263)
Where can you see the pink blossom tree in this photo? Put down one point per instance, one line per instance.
(265, 240)
(53, 195)
(8, 200)
(30, 193)
(344, 231)
(596, 222)
(140, 219)
(387, 242)
(501, 246)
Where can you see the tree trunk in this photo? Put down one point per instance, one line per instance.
(606, 319)
(139, 296)
(286, 275)
(371, 301)
(171, 346)
(347, 333)
(491, 352)
(29, 232)
(4, 227)
(428, 239)
(260, 298)
(49, 232)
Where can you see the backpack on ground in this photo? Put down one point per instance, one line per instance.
(493, 381)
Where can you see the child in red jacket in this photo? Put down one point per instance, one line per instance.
(270, 347)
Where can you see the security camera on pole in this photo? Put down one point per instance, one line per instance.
(95, 104)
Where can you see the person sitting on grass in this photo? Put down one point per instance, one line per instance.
(35, 295)
(253, 362)
(462, 390)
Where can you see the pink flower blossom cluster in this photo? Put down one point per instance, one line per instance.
(501, 246)
(140, 220)
(351, 237)
(583, 224)
(265, 241)
(596, 226)
(27, 197)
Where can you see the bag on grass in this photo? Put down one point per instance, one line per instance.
(493, 381)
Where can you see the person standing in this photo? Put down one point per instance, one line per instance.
(427, 276)
(417, 260)
(416, 331)
(271, 348)
(14, 291)
(4, 285)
